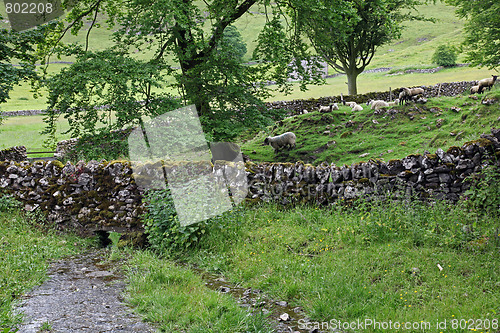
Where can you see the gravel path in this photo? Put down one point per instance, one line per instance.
(83, 294)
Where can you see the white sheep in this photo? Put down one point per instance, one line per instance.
(475, 90)
(357, 107)
(328, 108)
(486, 83)
(395, 102)
(407, 94)
(350, 104)
(376, 104)
(284, 140)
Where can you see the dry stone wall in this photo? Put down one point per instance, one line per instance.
(17, 154)
(84, 197)
(441, 89)
(92, 196)
(438, 176)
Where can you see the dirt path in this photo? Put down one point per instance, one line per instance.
(83, 294)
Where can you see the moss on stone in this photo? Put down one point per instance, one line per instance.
(364, 181)
(480, 142)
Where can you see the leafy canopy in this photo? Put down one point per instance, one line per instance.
(192, 49)
(482, 31)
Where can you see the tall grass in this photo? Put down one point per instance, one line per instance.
(396, 261)
(25, 252)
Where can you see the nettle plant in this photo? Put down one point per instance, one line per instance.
(165, 233)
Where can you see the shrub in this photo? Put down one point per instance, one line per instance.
(103, 145)
(445, 55)
(483, 197)
(8, 203)
(164, 232)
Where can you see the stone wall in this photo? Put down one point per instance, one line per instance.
(441, 89)
(64, 147)
(84, 197)
(92, 196)
(22, 113)
(439, 176)
(17, 154)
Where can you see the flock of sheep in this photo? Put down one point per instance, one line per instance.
(288, 139)
(483, 84)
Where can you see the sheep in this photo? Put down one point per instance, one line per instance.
(350, 104)
(395, 102)
(281, 141)
(376, 104)
(475, 90)
(357, 107)
(417, 91)
(486, 83)
(406, 94)
(329, 108)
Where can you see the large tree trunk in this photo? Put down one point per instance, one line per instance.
(352, 76)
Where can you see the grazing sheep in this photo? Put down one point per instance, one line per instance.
(416, 91)
(475, 90)
(284, 140)
(486, 83)
(406, 94)
(395, 102)
(357, 107)
(329, 108)
(376, 104)
(350, 104)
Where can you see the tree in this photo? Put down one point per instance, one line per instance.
(482, 32)
(445, 55)
(17, 57)
(347, 33)
(195, 36)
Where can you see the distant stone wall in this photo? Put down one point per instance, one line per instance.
(22, 113)
(17, 154)
(64, 147)
(441, 89)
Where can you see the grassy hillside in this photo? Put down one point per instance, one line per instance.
(344, 137)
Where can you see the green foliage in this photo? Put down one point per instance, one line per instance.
(481, 31)
(106, 87)
(19, 48)
(165, 234)
(102, 145)
(483, 198)
(196, 37)
(445, 55)
(25, 253)
(232, 43)
(8, 203)
(177, 300)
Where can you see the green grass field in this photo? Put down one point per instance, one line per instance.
(378, 261)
